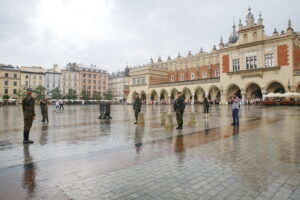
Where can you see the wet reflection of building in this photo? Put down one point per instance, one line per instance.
(179, 147)
(29, 174)
(44, 134)
(138, 138)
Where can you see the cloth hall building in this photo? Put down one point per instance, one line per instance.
(250, 65)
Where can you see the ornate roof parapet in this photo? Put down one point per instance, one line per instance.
(260, 20)
(190, 53)
(282, 32)
(201, 50)
(250, 18)
(159, 59)
(151, 60)
(214, 48)
(169, 58)
(178, 56)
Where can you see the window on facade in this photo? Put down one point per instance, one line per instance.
(34, 76)
(15, 83)
(254, 36)
(99, 87)
(104, 82)
(269, 60)
(192, 76)
(94, 75)
(6, 75)
(15, 76)
(84, 81)
(182, 77)
(26, 76)
(251, 62)
(83, 75)
(245, 38)
(26, 83)
(236, 65)
(89, 87)
(217, 73)
(5, 91)
(90, 81)
(94, 87)
(90, 75)
(172, 78)
(5, 82)
(15, 91)
(204, 75)
(94, 81)
(53, 85)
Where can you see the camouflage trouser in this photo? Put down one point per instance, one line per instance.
(136, 114)
(179, 118)
(27, 124)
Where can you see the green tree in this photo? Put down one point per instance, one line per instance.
(5, 97)
(85, 95)
(55, 93)
(40, 92)
(108, 95)
(71, 94)
(97, 96)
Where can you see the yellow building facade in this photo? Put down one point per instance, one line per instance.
(250, 65)
(10, 80)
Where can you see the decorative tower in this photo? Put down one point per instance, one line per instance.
(249, 18)
(289, 29)
(221, 44)
(260, 20)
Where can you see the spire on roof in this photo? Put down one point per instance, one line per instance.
(289, 28)
(260, 20)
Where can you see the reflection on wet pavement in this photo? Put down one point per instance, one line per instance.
(77, 156)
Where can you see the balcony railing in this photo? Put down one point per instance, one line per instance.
(189, 82)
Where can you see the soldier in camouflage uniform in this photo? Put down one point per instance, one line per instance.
(179, 107)
(29, 115)
(137, 105)
(44, 109)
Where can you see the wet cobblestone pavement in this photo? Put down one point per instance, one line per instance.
(77, 156)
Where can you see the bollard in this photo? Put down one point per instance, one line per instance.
(192, 119)
(141, 120)
(169, 121)
(163, 118)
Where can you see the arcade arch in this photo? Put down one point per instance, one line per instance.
(187, 94)
(275, 87)
(199, 94)
(154, 96)
(214, 93)
(253, 91)
(234, 89)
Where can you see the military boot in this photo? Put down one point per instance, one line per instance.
(26, 138)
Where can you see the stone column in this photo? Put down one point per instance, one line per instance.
(148, 99)
(243, 97)
(169, 99)
(264, 93)
(193, 99)
(223, 98)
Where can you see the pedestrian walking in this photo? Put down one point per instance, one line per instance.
(61, 104)
(44, 109)
(235, 110)
(206, 107)
(179, 107)
(57, 104)
(28, 114)
(137, 105)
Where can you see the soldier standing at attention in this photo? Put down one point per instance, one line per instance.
(44, 109)
(29, 115)
(179, 107)
(137, 107)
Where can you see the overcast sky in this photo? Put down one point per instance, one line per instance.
(111, 33)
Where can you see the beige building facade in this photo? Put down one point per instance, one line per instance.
(32, 77)
(10, 81)
(118, 84)
(70, 79)
(250, 65)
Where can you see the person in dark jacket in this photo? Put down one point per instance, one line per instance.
(206, 107)
(179, 107)
(44, 109)
(137, 105)
(29, 115)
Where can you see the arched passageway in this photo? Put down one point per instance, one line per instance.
(298, 89)
(275, 87)
(253, 91)
(234, 89)
(174, 94)
(143, 96)
(199, 95)
(163, 97)
(154, 96)
(214, 94)
(187, 94)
